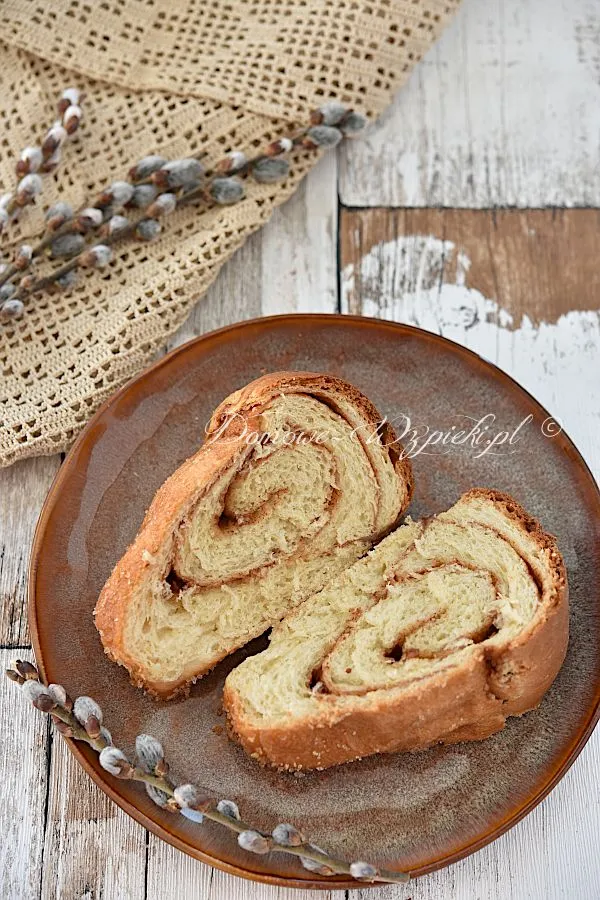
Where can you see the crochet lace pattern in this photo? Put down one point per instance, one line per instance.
(164, 76)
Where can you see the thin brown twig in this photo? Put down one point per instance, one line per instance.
(71, 226)
(207, 808)
(201, 192)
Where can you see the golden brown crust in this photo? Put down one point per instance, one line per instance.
(421, 717)
(224, 447)
(466, 702)
(161, 517)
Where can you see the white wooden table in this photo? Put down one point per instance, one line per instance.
(471, 209)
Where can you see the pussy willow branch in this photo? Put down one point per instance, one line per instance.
(126, 233)
(39, 248)
(82, 721)
(71, 226)
(317, 134)
(43, 158)
(52, 278)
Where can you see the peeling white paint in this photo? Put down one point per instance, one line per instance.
(502, 111)
(422, 280)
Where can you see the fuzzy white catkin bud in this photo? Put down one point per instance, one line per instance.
(58, 132)
(226, 191)
(64, 210)
(233, 161)
(68, 280)
(238, 159)
(84, 708)
(92, 215)
(73, 95)
(146, 166)
(25, 253)
(113, 760)
(12, 309)
(30, 185)
(229, 808)
(353, 124)
(254, 842)
(72, 117)
(148, 229)
(58, 694)
(121, 192)
(281, 145)
(106, 736)
(287, 835)
(324, 136)
(67, 245)
(149, 752)
(32, 156)
(7, 290)
(270, 170)
(117, 224)
(363, 870)
(99, 256)
(4, 218)
(332, 112)
(156, 795)
(143, 195)
(182, 172)
(163, 205)
(55, 137)
(33, 689)
(52, 161)
(186, 795)
(194, 815)
(313, 865)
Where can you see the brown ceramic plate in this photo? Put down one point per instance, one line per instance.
(413, 812)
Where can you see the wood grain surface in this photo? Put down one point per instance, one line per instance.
(503, 113)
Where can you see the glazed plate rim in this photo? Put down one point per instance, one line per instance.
(86, 757)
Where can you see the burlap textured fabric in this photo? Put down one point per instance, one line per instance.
(176, 77)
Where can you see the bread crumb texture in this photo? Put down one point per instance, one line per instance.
(442, 631)
(296, 481)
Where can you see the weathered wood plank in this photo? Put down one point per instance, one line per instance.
(517, 288)
(91, 848)
(23, 488)
(23, 776)
(224, 887)
(535, 263)
(503, 111)
(550, 854)
(173, 874)
(299, 248)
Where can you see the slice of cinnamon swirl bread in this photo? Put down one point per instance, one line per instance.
(439, 634)
(297, 479)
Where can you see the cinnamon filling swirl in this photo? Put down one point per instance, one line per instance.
(301, 496)
(454, 597)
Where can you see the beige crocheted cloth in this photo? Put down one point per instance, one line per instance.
(175, 76)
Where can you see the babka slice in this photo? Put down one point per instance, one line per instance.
(439, 634)
(297, 479)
